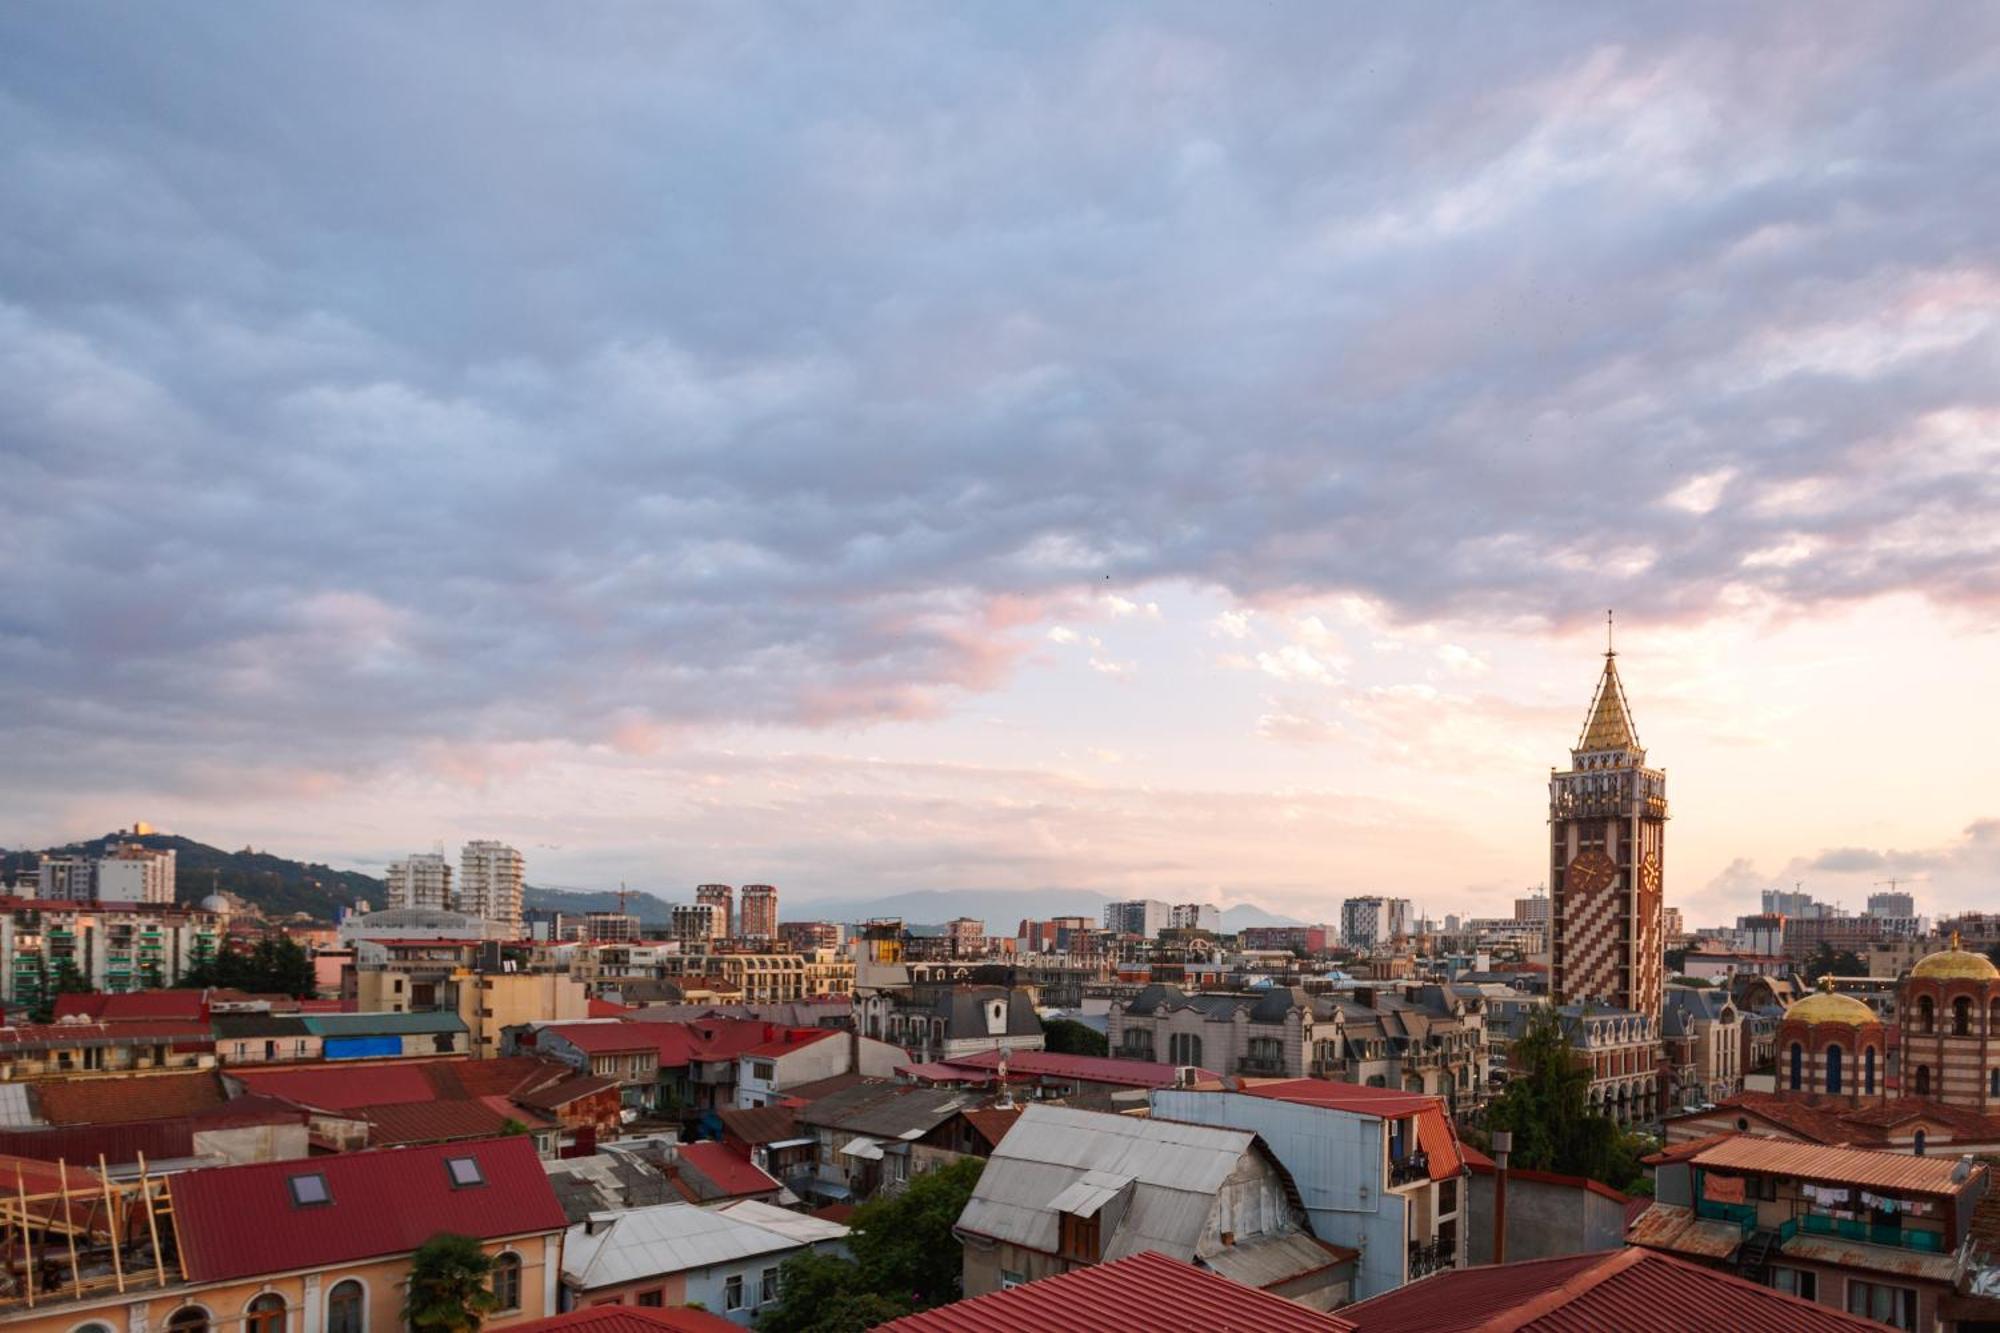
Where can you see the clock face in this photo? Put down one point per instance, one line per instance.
(1649, 873)
(1591, 871)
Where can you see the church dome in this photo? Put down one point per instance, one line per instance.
(1826, 1006)
(1956, 964)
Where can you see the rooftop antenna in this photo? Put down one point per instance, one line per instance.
(1610, 650)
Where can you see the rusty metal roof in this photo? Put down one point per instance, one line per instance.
(1836, 1166)
(1667, 1226)
(1895, 1259)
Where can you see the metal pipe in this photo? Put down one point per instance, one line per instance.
(1503, 1144)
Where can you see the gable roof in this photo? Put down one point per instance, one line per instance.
(641, 1243)
(1144, 1293)
(101, 1101)
(241, 1221)
(887, 1110)
(352, 1087)
(1892, 1171)
(760, 1124)
(1057, 1160)
(1631, 1290)
(1435, 1134)
(726, 1174)
(630, 1319)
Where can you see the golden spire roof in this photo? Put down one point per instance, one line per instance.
(1609, 726)
(1956, 962)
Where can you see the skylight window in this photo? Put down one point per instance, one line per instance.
(309, 1191)
(464, 1171)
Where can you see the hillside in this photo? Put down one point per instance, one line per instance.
(645, 906)
(277, 885)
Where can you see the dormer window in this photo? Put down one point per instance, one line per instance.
(309, 1191)
(465, 1173)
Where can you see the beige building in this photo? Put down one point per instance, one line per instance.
(767, 977)
(492, 1001)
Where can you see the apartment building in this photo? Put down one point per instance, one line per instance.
(490, 880)
(131, 873)
(113, 947)
(420, 881)
(759, 920)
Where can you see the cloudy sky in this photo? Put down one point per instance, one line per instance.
(1179, 449)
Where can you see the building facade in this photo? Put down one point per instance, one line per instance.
(1374, 922)
(111, 946)
(1607, 863)
(697, 925)
(723, 899)
(759, 919)
(1145, 917)
(421, 881)
(490, 879)
(130, 873)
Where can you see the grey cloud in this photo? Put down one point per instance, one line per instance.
(502, 374)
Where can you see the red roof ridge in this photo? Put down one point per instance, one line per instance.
(1571, 1287)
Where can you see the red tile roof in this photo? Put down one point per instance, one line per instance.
(1631, 1290)
(630, 1319)
(792, 1039)
(240, 1221)
(722, 1168)
(1434, 1132)
(106, 1101)
(573, 1089)
(1145, 1293)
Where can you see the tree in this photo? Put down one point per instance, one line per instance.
(1676, 960)
(819, 1293)
(1826, 961)
(276, 964)
(1066, 1036)
(1547, 1107)
(448, 1285)
(904, 1243)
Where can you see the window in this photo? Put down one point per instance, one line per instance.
(763, 1071)
(465, 1172)
(1917, 1143)
(93, 1328)
(1923, 1080)
(1890, 1305)
(310, 1190)
(1798, 1282)
(344, 1307)
(1009, 1278)
(1798, 1066)
(732, 1293)
(1868, 1071)
(507, 1281)
(1833, 1069)
(1927, 1014)
(1993, 1084)
(657, 1296)
(1079, 1238)
(1961, 1017)
(767, 1287)
(265, 1315)
(189, 1319)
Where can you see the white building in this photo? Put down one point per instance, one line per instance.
(135, 874)
(1368, 923)
(1140, 916)
(113, 946)
(1197, 916)
(490, 876)
(725, 1258)
(696, 923)
(421, 880)
(67, 879)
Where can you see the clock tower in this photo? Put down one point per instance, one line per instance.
(1607, 860)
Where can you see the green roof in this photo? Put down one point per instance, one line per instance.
(373, 1025)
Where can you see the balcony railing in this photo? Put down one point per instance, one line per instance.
(1411, 1167)
(1904, 1238)
(1430, 1256)
(1260, 1065)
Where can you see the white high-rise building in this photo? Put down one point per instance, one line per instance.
(696, 925)
(490, 876)
(1367, 923)
(1197, 916)
(1145, 917)
(133, 874)
(422, 879)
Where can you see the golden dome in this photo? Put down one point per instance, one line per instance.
(1825, 1006)
(1955, 964)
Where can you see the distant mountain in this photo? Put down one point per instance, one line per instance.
(1236, 918)
(278, 886)
(645, 906)
(1000, 909)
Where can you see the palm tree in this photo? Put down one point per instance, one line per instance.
(448, 1291)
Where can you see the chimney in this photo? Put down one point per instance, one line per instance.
(1365, 995)
(1963, 1171)
(1502, 1144)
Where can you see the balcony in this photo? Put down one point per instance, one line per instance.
(1902, 1238)
(1431, 1257)
(1409, 1169)
(1262, 1066)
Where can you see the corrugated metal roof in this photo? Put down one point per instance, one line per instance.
(1834, 1166)
(1266, 1261)
(1667, 1226)
(16, 1112)
(373, 1025)
(1879, 1258)
(642, 1243)
(1146, 1293)
(630, 1319)
(1089, 1192)
(1631, 1291)
(96, 1101)
(240, 1221)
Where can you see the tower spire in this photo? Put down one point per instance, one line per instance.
(1608, 725)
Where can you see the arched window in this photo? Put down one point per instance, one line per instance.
(265, 1315)
(1923, 1080)
(1833, 1069)
(346, 1308)
(1927, 1014)
(1868, 1071)
(507, 1281)
(189, 1319)
(1798, 1066)
(1961, 1017)
(91, 1328)
(1917, 1145)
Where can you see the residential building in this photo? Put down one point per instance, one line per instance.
(1196, 916)
(67, 878)
(698, 925)
(321, 1243)
(267, 1038)
(491, 1002)
(808, 936)
(1630, 1291)
(967, 936)
(112, 947)
(1892, 903)
(722, 898)
(767, 978)
(1607, 857)
(760, 916)
(1374, 922)
(1702, 1045)
(490, 880)
(1381, 1172)
(1548, 1214)
(939, 1022)
(1534, 908)
(1788, 902)
(420, 881)
(869, 1136)
(1067, 1189)
(33, 1051)
(726, 1259)
(765, 1072)
(1144, 1292)
(380, 1104)
(1622, 1050)
(1805, 936)
(1870, 1233)
(131, 873)
(1144, 917)
(611, 927)
(1300, 939)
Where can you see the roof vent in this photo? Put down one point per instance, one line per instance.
(1963, 1171)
